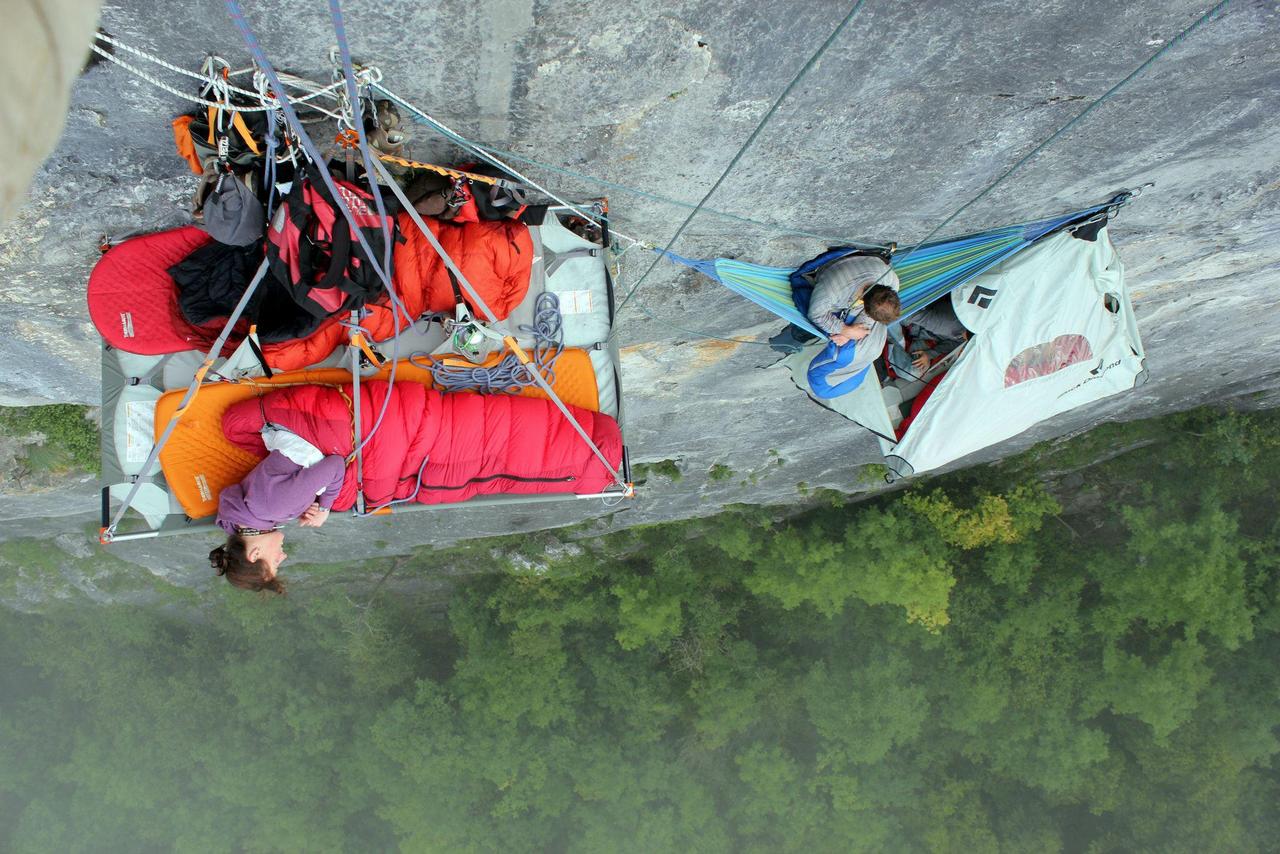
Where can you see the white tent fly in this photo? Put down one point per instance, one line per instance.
(1052, 329)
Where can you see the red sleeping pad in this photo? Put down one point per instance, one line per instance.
(133, 300)
(474, 444)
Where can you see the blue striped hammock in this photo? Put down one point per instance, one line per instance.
(930, 271)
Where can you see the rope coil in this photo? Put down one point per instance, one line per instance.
(509, 374)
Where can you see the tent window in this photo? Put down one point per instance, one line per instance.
(1044, 359)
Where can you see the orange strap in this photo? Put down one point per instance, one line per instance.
(237, 122)
(358, 340)
(510, 341)
(199, 378)
(440, 170)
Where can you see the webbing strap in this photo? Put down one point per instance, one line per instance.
(107, 533)
(355, 411)
(557, 259)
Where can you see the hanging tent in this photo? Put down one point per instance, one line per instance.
(1052, 329)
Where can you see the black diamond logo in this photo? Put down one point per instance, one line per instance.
(981, 297)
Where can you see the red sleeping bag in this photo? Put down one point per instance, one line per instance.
(133, 300)
(474, 444)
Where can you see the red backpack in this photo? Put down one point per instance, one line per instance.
(312, 252)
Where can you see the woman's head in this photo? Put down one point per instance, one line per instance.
(250, 561)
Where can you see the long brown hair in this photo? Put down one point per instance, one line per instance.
(232, 561)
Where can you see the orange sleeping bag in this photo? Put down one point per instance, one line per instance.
(496, 258)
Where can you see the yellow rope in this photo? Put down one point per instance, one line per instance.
(439, 170)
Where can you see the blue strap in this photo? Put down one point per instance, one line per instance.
(832, 359)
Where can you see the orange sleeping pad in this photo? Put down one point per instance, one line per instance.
(198, 461)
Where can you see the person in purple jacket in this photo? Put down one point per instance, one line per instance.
(252, 511)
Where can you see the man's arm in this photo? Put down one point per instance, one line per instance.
(828, 306)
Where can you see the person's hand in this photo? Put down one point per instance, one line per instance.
(852, 332)
(313, 517)
(920, 362)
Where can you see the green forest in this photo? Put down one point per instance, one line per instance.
(1074, 650)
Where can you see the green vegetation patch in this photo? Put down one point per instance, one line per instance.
(669, 469)
(62, 437)
(719, 471)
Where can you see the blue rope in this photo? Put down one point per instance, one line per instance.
(1203, 19)
(388, 229)
(509, 374)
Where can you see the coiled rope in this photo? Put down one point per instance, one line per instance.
(509, 374)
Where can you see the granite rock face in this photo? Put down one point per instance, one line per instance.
(913, 111)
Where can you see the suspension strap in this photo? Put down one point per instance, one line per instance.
(358, 445)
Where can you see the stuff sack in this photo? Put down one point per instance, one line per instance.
(313, 254)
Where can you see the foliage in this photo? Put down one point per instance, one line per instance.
(70, 438)
(967, 665)
(669, 469)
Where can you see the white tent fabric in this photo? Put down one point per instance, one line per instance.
(1053, 329)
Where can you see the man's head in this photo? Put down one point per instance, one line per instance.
(881, 304)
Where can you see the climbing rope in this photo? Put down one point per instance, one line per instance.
(423, 118)
(486, 152)
(314, 91)
(509, 374)
(1203, 19)
(742, 150)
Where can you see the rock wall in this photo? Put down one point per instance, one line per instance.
(913, 111)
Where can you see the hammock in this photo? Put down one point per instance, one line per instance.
(926, 273)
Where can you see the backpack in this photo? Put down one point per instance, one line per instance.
(313, 254)
(804, 277)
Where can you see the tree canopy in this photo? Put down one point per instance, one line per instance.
(1052, 654)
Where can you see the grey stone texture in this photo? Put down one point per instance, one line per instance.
(913, 111)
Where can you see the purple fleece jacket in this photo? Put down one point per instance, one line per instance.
(277, 490)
